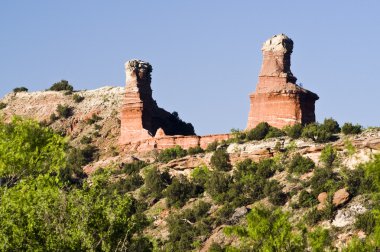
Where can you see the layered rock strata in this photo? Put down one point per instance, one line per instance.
(278, 100)
(141, 118)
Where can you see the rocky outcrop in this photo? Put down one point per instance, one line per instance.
(141, 118)
(278, 100)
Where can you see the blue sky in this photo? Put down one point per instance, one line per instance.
(205, 54)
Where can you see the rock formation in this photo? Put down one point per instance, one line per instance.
(141, 118)
(278, 100)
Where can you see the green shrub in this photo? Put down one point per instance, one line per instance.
(86, 140)
(195, 150)
(218, 184)
(215, 247)
(64, 111)
(90, 153)
(94, 118)
(179, 191)
(262, 232)
(77, 98)
(319, 239)
(300, 165)
(223, 214)
(98, 127)
(328, 156)
(155, 182)
(366, 222)
(133, 167)
(62, 85)
(3, 105)
(306, 199)
(171, 153)
(294, 131)
(317, 133)
(324, 180)
(330, 125)
(274, 132)
(314, 215)
(186, 228)
(53, 117)
(259, 132)
(220, 160)
(200, 175)
(212, 146)
(20, 89)
(273, 190)
(350, 129)
(238, 135)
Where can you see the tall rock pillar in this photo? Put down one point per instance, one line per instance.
(141, 118)
(137, 106)
(278, 100)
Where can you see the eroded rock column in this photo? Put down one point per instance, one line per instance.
(278, 100)
(137, 102)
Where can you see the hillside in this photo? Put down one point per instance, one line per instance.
(190, 197)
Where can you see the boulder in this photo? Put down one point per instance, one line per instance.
(340, 197)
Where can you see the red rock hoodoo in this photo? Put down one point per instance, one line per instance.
(141, 118)
(278, 100)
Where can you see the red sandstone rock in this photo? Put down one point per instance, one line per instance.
(322, 197)
(140, 115)
(340, 197)
(278, 100)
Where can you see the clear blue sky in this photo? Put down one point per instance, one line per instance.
(205, 54)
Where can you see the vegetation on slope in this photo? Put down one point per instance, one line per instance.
(48, 203)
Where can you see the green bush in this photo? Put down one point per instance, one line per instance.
(274, 132)
(195, 150)
(90, 153)
(171, 153)
(200, 175)
(133, 167)
(317, 133)
(187, 229)
(179, 191)
(220, 160)
(238, 135)
(319, 239)
(328, 155)
(223, 214)
(300, 165)
(330, 125)
(350, 129)
(86, 140)
(62, 85)
(324, 180)
(20, 89)
(212, 146)
(3, 105)
(306, 199)
(77, 98)
(294, 131)
(273, 190)
(262, 232)
(155, 182)
(366, 222)
(259, 132)
(94, 118)
(53, 117)
(218, 184)
(64, 111)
